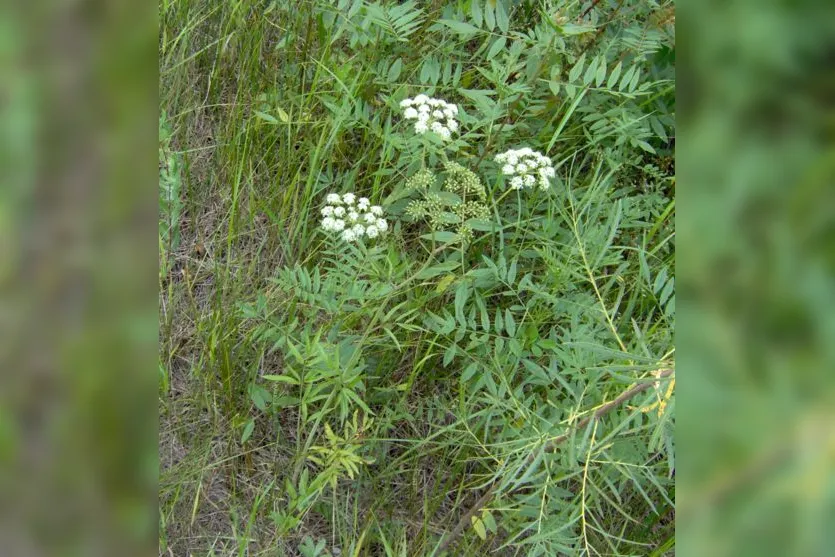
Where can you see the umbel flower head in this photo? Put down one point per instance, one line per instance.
(526, 168)
(352, 217)
(430, 114)
(441, 212)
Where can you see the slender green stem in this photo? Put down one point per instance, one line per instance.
(507, 192)
(518, 209)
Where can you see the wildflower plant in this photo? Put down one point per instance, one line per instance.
(352, 218)
(523, 332)
(526, 168)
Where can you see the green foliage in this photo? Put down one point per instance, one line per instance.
(326, 377)
(170, 203)
(340, 456)
(309, 548)
(486, 323)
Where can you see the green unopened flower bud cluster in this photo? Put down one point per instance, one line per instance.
(439, 212)
(463, 181)
(422, 180)
(430, 208)
(472, 210)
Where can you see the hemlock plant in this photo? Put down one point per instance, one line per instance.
(439, 244)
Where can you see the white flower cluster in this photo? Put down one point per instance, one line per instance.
(526, 167)
(353, 218)
(431, 114)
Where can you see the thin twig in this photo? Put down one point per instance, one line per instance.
(550, 446)
(589, 9)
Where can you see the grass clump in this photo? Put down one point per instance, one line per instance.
(443, 383)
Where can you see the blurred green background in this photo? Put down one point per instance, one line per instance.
(756, 254)
(78, 268)
(78, 302)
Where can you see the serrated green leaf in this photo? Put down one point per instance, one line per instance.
(480, 225)
(667, 291)
(478, 526)
(497, 46)
(442, 236)
(444, 283)
(546, 344)
(635, 77)
(394, 70)
(361, 403)
(481, 97)
(449, 324)
(643, 145)
(509, 323)
(281, 379)
(502, 19)
(590, 70)
(286, 401)
(449, 198)
(574, 74)
(266, 117)
(461, 295)
(259, 397)
(426, 71)
(601, 72)
(511, 272)
(627, 77)
(514, 347)
(460, 27)
(499, 322)
(449, 354)
(613, 77)
(489, 15)
(489, 521)
(438, 269)
(537, 371)
(660, 280)
(476, 13)
(658, 128)
(248, 429)
(573, 29)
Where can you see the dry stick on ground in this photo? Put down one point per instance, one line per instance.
(604, 409)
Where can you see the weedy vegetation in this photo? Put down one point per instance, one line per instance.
(416, 278)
